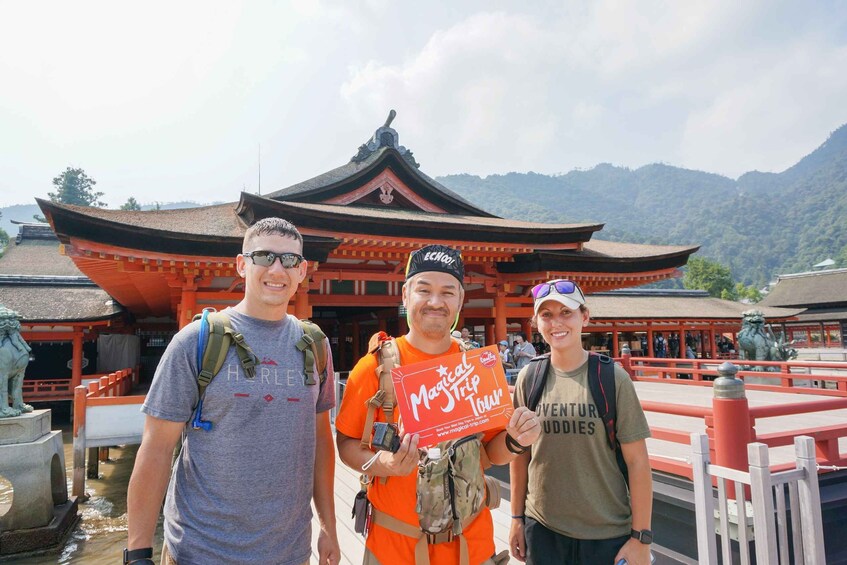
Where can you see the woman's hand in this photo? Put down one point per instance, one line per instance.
(517, 540)
(524, 426)
(635, 553)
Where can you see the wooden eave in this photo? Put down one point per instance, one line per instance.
(407, 173)
(71, 223)
(331, 220)
(570, 261)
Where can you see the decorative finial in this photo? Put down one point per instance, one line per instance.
(391, 115)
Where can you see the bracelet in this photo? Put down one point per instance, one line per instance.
(514, 447)
(521, 517)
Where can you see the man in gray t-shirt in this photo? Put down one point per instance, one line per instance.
(524, 351)
(240, 492)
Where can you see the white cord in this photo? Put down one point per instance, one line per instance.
(370, 462)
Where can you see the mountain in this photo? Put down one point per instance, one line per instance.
(760, 225)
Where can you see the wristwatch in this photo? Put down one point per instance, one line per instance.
(143, 555)
(644, 536)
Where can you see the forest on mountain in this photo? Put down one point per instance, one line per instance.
(760, 225)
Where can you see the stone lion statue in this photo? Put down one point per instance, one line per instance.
(756, 342)
(14, 357)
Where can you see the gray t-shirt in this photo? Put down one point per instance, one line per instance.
(522, 361)
(241, 492)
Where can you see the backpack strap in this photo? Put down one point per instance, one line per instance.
(212, 350)
(313, 345)
(535, 379)
(388, 357)
(601, 383)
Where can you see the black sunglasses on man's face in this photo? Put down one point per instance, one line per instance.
(267, 258)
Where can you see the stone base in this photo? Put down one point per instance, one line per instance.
(37, 473)
(46, 539)
(25, 428)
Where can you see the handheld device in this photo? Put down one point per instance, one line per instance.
(386, 437)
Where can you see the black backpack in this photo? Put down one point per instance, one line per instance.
(601, 383)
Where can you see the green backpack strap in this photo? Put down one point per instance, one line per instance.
(313, 346)
(221, 337)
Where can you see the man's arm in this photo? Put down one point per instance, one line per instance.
(387, 464)
(323, 491)
(149, 479)
(641, 500)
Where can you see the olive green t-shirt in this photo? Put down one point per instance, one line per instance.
(575, 486)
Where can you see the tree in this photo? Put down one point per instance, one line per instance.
(131, 204)
(75, 187)
(4, 238)
(711, 276)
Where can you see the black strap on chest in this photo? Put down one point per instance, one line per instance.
(601, 383)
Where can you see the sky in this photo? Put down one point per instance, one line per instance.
(172, 101)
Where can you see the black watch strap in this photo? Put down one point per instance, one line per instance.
(644, 536)
(138, 554)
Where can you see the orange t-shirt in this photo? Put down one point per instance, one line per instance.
(398, 495)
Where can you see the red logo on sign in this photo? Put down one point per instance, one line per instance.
(488, 359)
(268, 397)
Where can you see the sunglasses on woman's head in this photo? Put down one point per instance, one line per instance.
(561, 286)
(267, 258)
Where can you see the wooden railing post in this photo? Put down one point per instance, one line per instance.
(78, 488)
(761, 487)
(731, 419)
(810, 501)
(704, 502)
(626, 359)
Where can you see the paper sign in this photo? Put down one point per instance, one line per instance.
(453, 396)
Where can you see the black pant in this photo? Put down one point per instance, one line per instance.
(546, 547)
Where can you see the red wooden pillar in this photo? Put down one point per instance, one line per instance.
(188, 303)
(650, 351)
(489, 333)
(356, 352)
(301, 304)
(526, 328)
(616, 350)
(712, 343)
(499, 317)
(76, 363)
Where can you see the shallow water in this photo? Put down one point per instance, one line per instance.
(100, 535)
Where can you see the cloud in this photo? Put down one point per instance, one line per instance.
(698, 85)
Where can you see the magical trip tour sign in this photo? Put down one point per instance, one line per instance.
(453, 396)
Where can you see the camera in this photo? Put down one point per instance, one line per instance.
(386, 437)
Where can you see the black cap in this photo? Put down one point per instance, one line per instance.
(436, 258)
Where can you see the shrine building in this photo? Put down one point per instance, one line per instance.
(359, 221)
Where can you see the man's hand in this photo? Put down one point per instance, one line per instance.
(329, 552)
(405, 460)
(524, 426)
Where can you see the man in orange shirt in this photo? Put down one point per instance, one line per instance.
(433, 295)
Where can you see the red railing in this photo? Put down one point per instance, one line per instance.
(51, 390)
(109, 390)
(730, 423)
